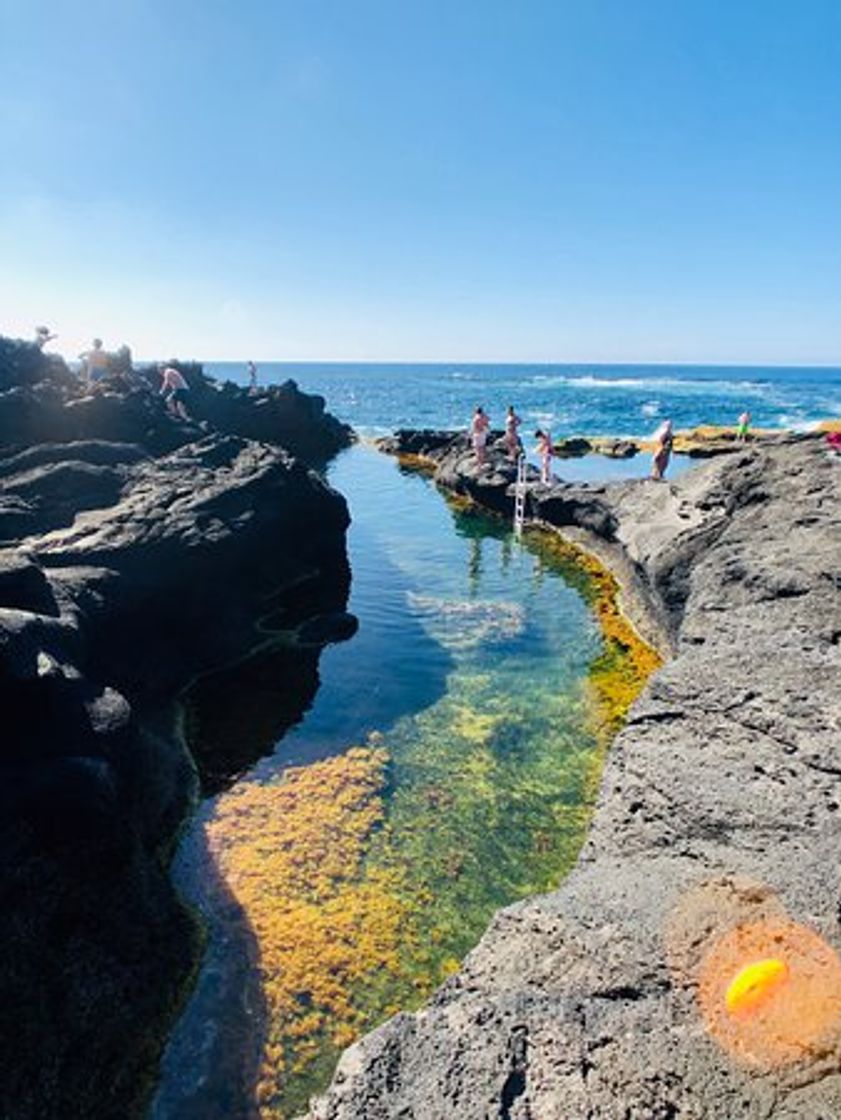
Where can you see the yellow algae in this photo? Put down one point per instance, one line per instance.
(419, 463)
(475, 726)
(706, 435)
(618, 674)
(358, 912)
(290, 852)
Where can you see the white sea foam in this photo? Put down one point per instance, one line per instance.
(795, 422)
(650, 408)
(679, 384)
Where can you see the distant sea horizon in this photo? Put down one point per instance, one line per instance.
(571, 398)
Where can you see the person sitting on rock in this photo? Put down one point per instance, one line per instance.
(479, 433)
(545, 451)
(43, 336)
(95, 364)
(663, 440)
(174, 390)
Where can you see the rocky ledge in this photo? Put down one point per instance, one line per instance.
(136, 554)
(714, 844)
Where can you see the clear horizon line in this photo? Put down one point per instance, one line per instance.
(511, 362)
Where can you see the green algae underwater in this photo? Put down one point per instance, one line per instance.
(363, 874)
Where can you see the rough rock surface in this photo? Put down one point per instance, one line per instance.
(719, 808)
(41, 401)
(135, 554)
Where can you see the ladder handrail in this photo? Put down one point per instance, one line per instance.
(520, 496)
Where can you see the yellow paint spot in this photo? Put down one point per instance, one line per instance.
(788, 1001)
(755, 985)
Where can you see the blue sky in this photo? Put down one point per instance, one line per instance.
(569, 180)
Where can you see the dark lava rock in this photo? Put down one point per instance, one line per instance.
(572, 448)
(326, 628)
(23, 585)
(140, 554)
(718, 808)
(421, 441)
(41, 401)
(616, 448)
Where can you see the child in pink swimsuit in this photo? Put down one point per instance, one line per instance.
(544, 450)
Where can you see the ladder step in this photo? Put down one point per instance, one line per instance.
(520, 496)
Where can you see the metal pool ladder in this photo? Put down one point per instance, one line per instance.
(520, 497)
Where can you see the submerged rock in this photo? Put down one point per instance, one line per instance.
(714, 843)
(468, 623)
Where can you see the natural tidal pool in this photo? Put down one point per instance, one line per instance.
(446, 767)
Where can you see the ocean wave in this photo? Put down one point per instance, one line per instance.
(687, 384)
(796, 422)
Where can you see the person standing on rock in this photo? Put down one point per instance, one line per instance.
(663, 440)
(252, 378)
(174, 390)
(544, 450)
(95, 363)
(479, 426)
(743, 427)
(512, 440)
(43, 336)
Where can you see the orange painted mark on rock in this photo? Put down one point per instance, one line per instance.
(784, 1006)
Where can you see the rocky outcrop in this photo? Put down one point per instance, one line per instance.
(715, 840)
(128, 568)
(274, 414)
(42, 401)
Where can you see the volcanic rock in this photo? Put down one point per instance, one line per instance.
(718, 815)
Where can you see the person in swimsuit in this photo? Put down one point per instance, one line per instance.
(174, 390)
(95, 363)
(512, 440)
(479, 434)
(544, 450)
(743, 427)
(663, 440)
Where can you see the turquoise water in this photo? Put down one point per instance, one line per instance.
(468, 671)
(569, 399)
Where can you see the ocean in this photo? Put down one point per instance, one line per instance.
(628, 400)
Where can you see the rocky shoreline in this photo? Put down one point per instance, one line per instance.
(715, 839)
(137, 553)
